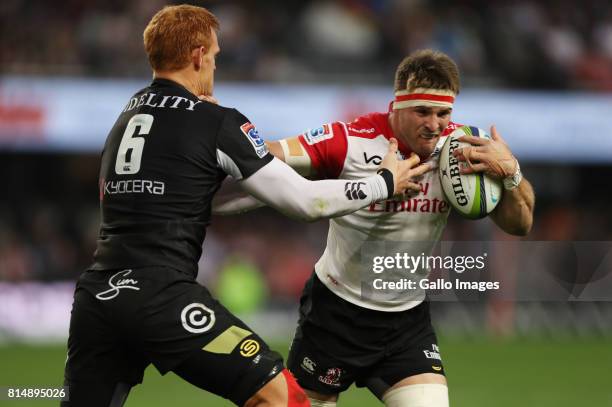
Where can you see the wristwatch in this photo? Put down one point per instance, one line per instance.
(513, 180)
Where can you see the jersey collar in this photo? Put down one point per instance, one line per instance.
(382, 122)
(168, 82)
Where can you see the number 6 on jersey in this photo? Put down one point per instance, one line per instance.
(130, 148)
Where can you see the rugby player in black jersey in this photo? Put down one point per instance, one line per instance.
(163, 161)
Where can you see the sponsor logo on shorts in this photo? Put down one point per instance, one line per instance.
(249, 130)
(434, 353)
(332, 377)
(249, 348)
(315, 136)
(118, 282)
(197, 318)
(308, 365)
(436, 368)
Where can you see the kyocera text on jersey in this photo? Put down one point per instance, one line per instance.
(168, 101)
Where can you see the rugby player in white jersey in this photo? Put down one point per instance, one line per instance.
(344, 337)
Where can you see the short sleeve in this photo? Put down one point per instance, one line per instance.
(327, 147)
(240, 149)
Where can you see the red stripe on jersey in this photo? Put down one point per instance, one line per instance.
(327, 155)
(425, 96)
(381, 122)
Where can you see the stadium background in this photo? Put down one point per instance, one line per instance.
(541, 70)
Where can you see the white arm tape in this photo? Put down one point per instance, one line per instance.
(300, 163)
(279, 186)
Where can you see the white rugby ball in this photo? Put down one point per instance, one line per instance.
(474, 196)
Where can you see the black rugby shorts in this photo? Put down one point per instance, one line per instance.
(124, 320)
(338, 343)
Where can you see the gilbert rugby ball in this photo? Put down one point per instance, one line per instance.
(474, 196)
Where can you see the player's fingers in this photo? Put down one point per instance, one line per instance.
(495, 134)
(421, 169)
(407, 190)
(472, 155)
(468, 156)
(406, 166)
(392, 146)
(458, 154)
(461, 153)
(412, 160)
(479, 167)
(412, 187)
(475, 141)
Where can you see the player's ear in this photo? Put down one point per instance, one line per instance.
(197, 57)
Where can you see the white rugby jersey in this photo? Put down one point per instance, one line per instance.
(354, 150)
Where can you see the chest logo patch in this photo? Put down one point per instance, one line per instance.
(375, 159)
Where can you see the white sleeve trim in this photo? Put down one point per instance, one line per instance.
(228, 165)
(279, 186)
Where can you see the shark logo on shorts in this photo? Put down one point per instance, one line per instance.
(118, 282)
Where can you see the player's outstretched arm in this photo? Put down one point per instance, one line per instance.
(514, 214)
(279, 186)
(231, 199)
(291, 152)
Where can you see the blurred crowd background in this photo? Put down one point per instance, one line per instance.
(49, 200)
(521, 44)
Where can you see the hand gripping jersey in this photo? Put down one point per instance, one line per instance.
(355, 150)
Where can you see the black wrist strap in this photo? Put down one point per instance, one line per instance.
(388, 177)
